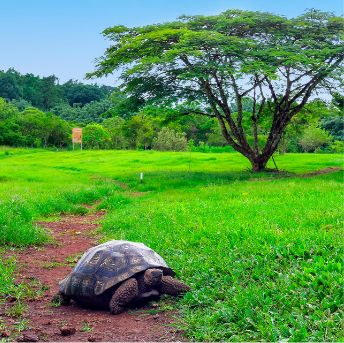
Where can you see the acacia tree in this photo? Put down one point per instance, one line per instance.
(209, 65)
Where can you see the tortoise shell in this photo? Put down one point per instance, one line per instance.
(108, 264)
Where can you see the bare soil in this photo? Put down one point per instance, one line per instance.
(281, 174)
(51, 263)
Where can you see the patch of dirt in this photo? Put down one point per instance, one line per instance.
(137, 194)
(284, 175)
(51, 263)
(323, 171)
(121, 184)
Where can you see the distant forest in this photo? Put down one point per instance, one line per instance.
(40, 112)
(45, 93)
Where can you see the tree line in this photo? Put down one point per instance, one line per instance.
(45, 93)
(106, 125)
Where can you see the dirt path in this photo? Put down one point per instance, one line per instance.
(51, 263)
(285, 175)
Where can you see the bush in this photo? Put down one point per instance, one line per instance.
(334, 125)
(337, 147)
(115, 127)
(313, 138)
(140, 131)
(170, 140)
(95, 137)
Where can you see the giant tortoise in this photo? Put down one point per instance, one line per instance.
(117, 273)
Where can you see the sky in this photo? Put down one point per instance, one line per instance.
(63, 37)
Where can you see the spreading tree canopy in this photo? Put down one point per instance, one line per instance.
(216, 65)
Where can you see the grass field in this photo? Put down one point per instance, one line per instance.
(262, 253)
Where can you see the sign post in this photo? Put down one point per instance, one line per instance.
(77, 136)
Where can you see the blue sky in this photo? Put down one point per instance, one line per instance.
(62, 37)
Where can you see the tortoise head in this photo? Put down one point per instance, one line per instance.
(152, 276)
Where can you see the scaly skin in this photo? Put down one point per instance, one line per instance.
(123, 295)
(172, 286)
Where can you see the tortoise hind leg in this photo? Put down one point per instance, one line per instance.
(123, 295)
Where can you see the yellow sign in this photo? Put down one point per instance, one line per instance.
(77, 135)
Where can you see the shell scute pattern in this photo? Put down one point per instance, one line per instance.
(108, 264)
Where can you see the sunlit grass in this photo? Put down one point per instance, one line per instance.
(263, 254)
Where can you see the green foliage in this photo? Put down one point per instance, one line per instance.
(45, 93)
(313, 138)
(337, 147)
(80, 94)
(7, 110)
(9, 85)
(21, 104)
(95, 137)
(195, 127)
(31, 127)
(335, 126)
(338, 101)
(90, 113)
(170, 140)
(50, 94)
(140, 131)
(215, 136)
(115, 127)
(34, 128)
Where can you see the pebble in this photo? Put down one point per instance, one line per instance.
(4, 334)
(11, 299)
(156, 316)
(92, 339)
(67, 330)
(28, 337)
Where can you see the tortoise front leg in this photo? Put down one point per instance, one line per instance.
(123, 295)
(172, 286)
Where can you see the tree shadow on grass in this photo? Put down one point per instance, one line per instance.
(164, 180)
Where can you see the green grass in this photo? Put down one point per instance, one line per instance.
(16, 292)
(263, 257)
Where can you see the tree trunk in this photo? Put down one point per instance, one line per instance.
(259, 163)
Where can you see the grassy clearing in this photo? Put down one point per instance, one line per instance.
(263, 257)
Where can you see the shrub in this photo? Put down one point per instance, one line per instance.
(313, 138)
(115, 127)
(95, 137)
(334, 125)
(337, 147)
(170, 140)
